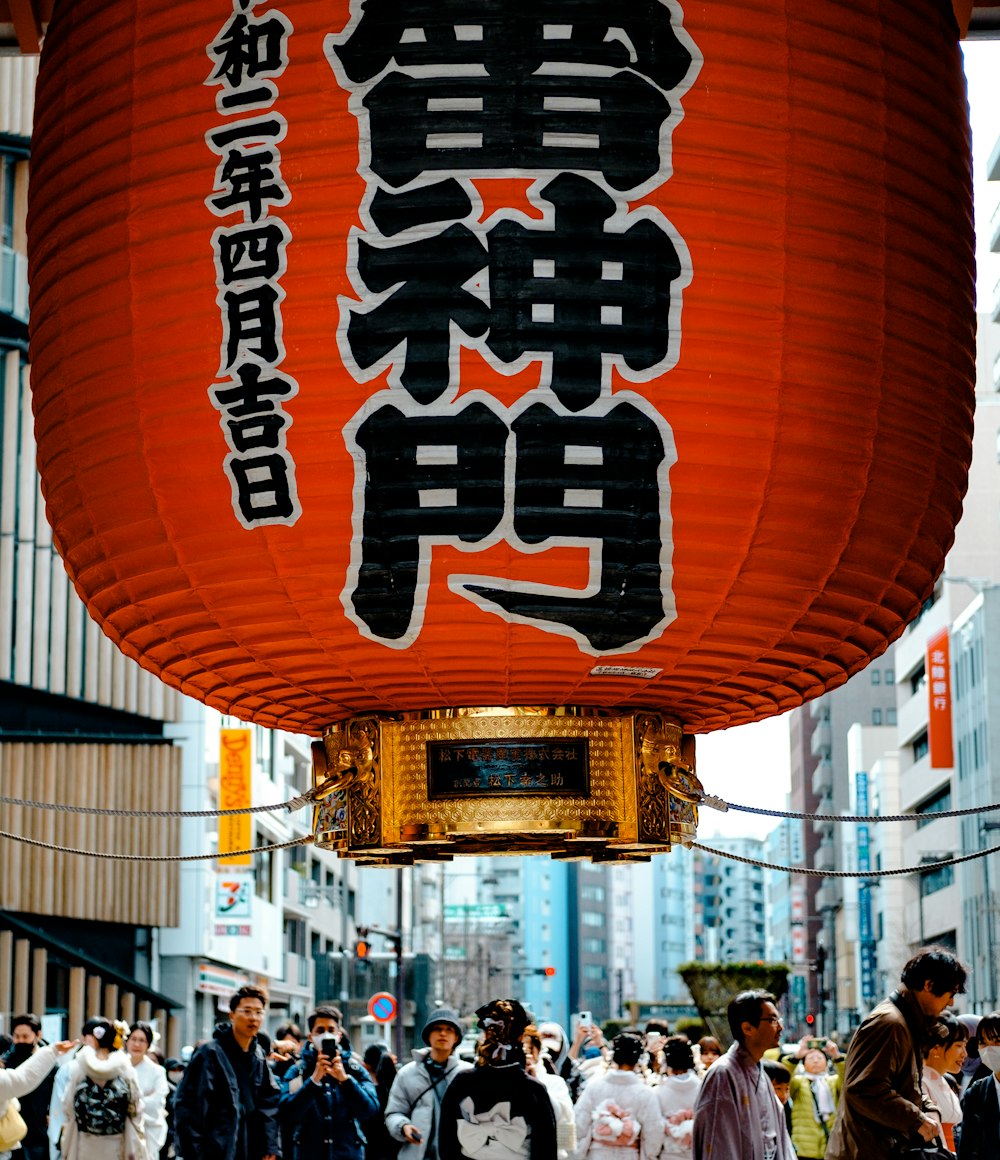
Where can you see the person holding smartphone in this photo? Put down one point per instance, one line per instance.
(325, 1094)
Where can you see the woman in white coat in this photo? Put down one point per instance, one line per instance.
(677, 1093)
(619, 1113)
(18, 1081)
(153, 1085)
(542, 1069)
(102, 1104)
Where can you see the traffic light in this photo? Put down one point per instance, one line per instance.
(548, 972)
(810, 1020)
(362, 947)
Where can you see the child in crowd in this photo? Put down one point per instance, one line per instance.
(781, 1081)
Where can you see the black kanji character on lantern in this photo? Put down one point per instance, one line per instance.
(591, 477)
(391, 213)
(519, 36)
(421, 312)
(427, 478)
(581, 291)
(252, 325)
(249, 50)
(244, 253)
(250, 182)
(263, 488)
(249, 394)
(255, 432)
(495, 85)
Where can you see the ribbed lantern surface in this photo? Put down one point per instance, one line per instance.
(395, 356)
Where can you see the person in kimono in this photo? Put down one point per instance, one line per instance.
(737, 1115)
(496, 1111)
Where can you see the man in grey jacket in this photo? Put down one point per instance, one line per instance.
(412, 1114)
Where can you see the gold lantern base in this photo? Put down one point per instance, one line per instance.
(570, 782)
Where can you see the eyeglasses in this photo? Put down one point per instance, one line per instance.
(771, 1019)
(250, 1012)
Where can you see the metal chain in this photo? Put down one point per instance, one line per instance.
(845, 873)
(156, 857)
(717, 803)
(293, 804)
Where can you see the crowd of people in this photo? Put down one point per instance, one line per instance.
(917, 1080)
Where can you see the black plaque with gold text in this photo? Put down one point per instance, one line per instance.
(508, 765)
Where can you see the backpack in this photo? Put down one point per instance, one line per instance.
(101, 1111)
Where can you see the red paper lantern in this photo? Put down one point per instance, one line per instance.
(420, 355)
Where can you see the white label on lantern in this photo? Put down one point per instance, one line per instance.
(625, 671)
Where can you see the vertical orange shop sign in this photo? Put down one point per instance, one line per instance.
(939, 701)
(235, 831)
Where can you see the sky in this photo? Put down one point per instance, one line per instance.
(750, 764)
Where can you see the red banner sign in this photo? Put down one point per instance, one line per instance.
(939, 701)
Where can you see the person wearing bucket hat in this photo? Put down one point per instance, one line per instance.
(497, 1111)
(443, 1017)
(413, 1113)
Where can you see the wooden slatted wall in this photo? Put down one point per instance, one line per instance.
(111, 776)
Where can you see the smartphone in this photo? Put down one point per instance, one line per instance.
(330, 1047)
(418, 1137)
(585, 1019)
(817, 1044)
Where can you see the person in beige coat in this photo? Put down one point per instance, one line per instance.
(882, 1105)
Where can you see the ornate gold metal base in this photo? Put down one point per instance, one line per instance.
(570, 782)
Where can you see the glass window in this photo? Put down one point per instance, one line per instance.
(935, 804)
(890, 676)
(590, 918)
(876, 676)
(920, 746)
(876, 716)
(931, 881)
(890, 716)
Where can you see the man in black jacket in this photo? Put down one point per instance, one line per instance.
(226, 1105)
(326, 1093)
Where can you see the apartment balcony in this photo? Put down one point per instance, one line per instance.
(822, 778)
(822, 739)
(995, 316)
(824, 830)
(993, 164)
(826, 855)
(827, 897)
(918, 781)
(14, 284)
(912, 717)
(995, 230)
(297, 972)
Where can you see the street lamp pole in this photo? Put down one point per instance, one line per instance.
(984, 828)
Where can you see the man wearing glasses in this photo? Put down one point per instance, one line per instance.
(737, 1115)
(226, 1105)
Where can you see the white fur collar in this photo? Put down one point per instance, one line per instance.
(101, 1070)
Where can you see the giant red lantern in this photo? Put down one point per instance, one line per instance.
(408, 358)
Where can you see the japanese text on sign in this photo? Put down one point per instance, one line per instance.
(248, 54)
(582, 103)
